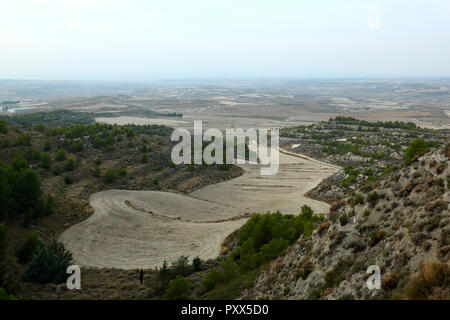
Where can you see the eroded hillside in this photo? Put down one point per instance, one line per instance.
(402, 226)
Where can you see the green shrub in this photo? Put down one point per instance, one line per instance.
(178, 289)
(181, 266)
(121, 172)
(97, 172)
(19, 162)
(48, 265)
(69, 165)
(23, 140)
(46, 205)
(228, 270)
(3, 127)
(46, 161)
(110, 176)
(343, 219)
(47, 145)
(60, 155)
(29, 247)
(332, 279)
(373, 197)
(144, 158)
(415, 149)
(155, 181)
(57, 171)
(197, 264)
(376, 236)
(77, 146)
(68, 180)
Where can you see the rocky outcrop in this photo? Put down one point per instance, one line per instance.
(401, 224)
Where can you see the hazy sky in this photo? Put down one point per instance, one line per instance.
(144, 40)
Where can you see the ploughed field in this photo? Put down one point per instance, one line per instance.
(141, 229)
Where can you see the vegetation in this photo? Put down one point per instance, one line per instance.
(110, 176)
(180, 267)
(416, 148)
(20, 190)
(261, 239)
(48, 265)
(51, 119)
(377, 124)
(178, 289)
(432, 282)
(29, 247)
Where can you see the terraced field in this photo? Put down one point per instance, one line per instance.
(141, 229)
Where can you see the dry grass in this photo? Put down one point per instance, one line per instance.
(432, 283)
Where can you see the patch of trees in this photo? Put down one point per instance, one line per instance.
(49, 264)
(3, 127)
(261, 239)
(179, 268)
(51, 119)
(20, 192)
(380, 124)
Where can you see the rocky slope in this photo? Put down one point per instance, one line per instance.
(402, 226)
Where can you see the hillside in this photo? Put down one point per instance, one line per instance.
(48, 173)
(402, 226)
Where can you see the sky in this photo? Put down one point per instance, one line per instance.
(135, 40)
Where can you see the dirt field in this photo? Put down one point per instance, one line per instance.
(134, 229)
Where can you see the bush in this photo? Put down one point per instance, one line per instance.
(376, 236)
(68, 180)
(110, 176)
(155, 181)
(3, 127)
(46, 205)
(97, 172)
(373, 197)
(29, 247)
(432, 282)
(197, 264)
(144, 158)
(48, 265)
(46, 161)
(228, 270)
(121, 172)
(19, 162)
(181, 266)
(47, 145)
(178, 289)
(56, 171)
(23, 140)
(77, 146)
(415, 149)
(343, 219)
(60, 155)
(69, 165)
(332, 279)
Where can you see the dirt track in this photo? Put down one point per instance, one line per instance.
(134, 229)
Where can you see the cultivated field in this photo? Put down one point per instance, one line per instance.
(141, 229)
